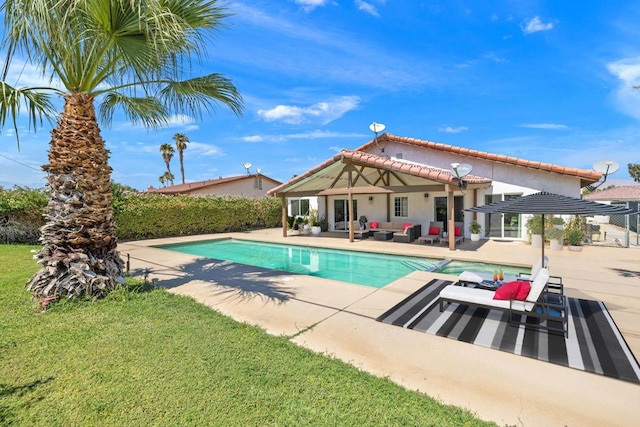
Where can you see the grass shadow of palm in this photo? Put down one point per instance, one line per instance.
(20, 391)
(235, 280)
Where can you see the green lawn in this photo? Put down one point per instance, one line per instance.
(156, 359)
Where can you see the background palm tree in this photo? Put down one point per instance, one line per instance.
(119, 54)
(167, 154)
(181, 144)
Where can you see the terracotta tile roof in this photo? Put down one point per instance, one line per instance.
(586, 176)
(624, 192)
(362, 158)
(428, 172)
(191, 186)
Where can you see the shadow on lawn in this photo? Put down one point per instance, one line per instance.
(238, 281)
(20, 392)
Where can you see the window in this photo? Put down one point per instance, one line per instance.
(401, 207)
(300, 207)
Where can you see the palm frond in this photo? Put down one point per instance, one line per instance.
(37, 104)
(146, 110)
(193, 95)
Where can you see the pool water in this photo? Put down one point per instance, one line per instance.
(362, 268)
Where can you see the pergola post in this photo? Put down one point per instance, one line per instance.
(451, 220)
(284, 215)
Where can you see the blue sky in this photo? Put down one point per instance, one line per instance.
(542, 80)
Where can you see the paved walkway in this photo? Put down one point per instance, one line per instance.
(338, 319)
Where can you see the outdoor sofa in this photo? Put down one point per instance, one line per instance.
(542, 302)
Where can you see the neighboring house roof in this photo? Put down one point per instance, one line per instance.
(624, 192)
(368, 171)
(192, 186)
(586, 176)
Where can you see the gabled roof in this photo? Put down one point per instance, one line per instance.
(586, 176)
(624, 192)
(369, 170)
(192, 186)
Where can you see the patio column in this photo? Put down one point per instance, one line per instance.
(284, 215)
(451, 220)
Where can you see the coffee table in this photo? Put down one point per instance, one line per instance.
(383, 235)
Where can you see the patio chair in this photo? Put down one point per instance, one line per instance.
(540, 303)
(434, 232)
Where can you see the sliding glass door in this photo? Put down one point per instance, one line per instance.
(341, 214)
(502, 225)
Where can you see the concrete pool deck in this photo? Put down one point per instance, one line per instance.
(338, 319)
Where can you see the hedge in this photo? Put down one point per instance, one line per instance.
(145, 216)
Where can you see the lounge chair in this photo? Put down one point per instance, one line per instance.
(434, 232)
(540, 303)
(409, 234)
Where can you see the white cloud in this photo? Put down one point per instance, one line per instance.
(625, 98)
(252, 138)
(201, 149)
(535, 25)
(309, 5)
(550, 126)
(450, 129)
(367, 8)
(323, 112)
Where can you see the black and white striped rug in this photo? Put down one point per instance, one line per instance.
(594, 343)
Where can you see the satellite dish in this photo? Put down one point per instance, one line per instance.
(606, 166)
(461, 169)
(376, 127)
(247, 165)
(258, 170)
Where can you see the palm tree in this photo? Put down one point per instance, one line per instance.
(161, 179)
(181, 144)
(167, 154)
(168, 177)
(117, 54)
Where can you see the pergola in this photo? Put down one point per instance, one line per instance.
(355, 172)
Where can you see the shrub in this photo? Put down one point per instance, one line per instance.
(21, 215)
(148, 216)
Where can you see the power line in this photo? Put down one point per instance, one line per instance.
(21, 164)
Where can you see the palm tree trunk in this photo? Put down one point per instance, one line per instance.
(182, 165)
(79, 254)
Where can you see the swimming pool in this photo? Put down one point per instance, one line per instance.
(362, 268)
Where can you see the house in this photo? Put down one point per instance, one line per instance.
(624, 195)
(401, 179)
(249, 185)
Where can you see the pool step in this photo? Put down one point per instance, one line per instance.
(425, 266)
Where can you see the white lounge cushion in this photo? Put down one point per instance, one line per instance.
(537, 286)
(475, 296)
(469, 277)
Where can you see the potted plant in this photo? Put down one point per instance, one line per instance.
(555, 236)
(475, 229)
(575, 236)
(534, 225)
(314, 221)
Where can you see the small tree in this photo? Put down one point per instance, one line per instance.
(634, 171)
(167, 154)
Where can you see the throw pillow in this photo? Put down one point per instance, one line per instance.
(523, 290)
(507, 291)
(405, 226)
(457, 231)
(374, 224)
(434, 231)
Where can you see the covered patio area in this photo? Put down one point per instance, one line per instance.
(353, 175)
